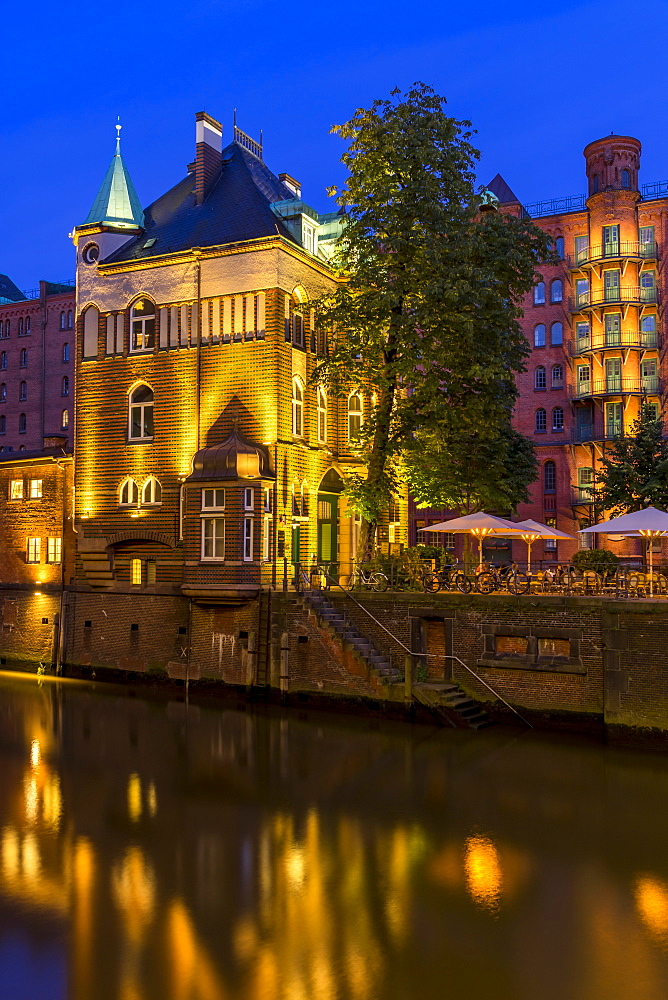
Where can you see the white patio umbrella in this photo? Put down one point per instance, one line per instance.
(532, 531)
(479, 525)
(648, 523)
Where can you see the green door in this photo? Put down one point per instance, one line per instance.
(328, 510)
(611, 286)
(613, 374)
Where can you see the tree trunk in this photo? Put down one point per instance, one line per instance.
(378, 456)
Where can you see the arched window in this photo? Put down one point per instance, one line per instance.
(23, 423)
(151, 492)
(142, 325)
(20, 326)
(65, 386)
(70, 319)
(8, 327)
(140, 426)
(24, 358)
(557, 419)
(23, 390)
(594, 184)
(3, 424)
(556, 290)
(65, 419)
(557, 376)
(626, 179)
(556, 334)
(541, 421)
(66, 352)
(128, 493)
(3, 392)
(540, 378)
(322, 416)
(297, 407)
(559, 247)
(539, 294)
(354, 416)
(27, 326)
(549, 477)
(63, 319)
(539, 335)
(3, 359)
(298, 328)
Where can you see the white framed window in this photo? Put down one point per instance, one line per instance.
(298, 329)
(142, 325)
(248, 539)
(539, 335)
(267, 499)
(151, 493)
(33, 550)
(249, 498)
(128, 493)
(322, 416)
(557, 376)
(213, 499)
(135, 572)
(16, 489)
(297, 407)
(213, 539)
(539, 294)
(64, 420)
(354, 416)
(140, 414)
(35, 489)
(266, 538)
(53, 550)
(539, 377)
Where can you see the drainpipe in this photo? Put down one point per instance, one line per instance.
(198, 285)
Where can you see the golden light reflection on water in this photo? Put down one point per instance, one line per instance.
(482, 867)
(651, 896)
(134, 797)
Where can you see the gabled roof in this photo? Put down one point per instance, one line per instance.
(9, 291)
(499, 187)
(237, 208)
(117, 203)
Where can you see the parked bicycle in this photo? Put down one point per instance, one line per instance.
(446, 578)
(512, 579)
(374, 580)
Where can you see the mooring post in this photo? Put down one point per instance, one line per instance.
(251, 661)
(408, 680)
(284, 677)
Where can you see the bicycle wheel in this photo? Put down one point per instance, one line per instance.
(378, 582)
(431, 583)
(485, 583)
(519, 583)
(352, 581)
(463, 584)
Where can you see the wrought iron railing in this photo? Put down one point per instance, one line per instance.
(649, 384)
(613, 296)
(642, 339)
(605, 251)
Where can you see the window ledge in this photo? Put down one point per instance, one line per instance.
(140, 440)
(540, 432)
(537, 389)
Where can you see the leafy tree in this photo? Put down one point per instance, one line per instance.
(602, 561)
(425, 319)
(634, 473)
(472, 472)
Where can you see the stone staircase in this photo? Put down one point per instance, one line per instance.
(330, 617)
(448, 702)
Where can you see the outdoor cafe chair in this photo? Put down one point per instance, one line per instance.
(637, 584)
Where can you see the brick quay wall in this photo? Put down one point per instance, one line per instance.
(581, 661)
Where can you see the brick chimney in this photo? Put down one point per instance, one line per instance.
(209, 139)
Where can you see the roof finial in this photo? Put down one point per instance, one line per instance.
(118, 128)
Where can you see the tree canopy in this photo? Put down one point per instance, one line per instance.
(634, 473)
(426, 322)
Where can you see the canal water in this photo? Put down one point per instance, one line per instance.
(151, 850)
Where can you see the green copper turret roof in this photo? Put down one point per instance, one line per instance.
(117, 203)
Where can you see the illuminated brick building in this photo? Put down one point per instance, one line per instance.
(594, 325)
(204, 455)
(36, 366)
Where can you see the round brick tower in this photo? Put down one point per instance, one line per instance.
(613, 163)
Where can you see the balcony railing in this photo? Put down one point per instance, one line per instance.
(649, 384)
(612, 296)
(597, 431)
(615, 251)
(643, 340)
(582, 494)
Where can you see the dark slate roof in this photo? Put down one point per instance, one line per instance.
(499, 187)
(237, 208)
(8, 289)
(235, 458)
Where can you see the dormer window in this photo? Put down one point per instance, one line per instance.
(309, 238)
(142, 324)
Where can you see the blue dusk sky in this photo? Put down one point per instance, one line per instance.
(537, 81)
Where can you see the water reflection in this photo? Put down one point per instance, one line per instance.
(187, 854)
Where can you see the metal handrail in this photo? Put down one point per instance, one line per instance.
(615, 386)
(316, 570)
(643, 339)
(613, 296)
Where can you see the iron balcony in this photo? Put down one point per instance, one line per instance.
(596, 432)
(642, 340)
(581, 495)
(626, 294)
(649, 384)
(612, 251)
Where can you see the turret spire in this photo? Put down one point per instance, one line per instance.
(117, 203)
